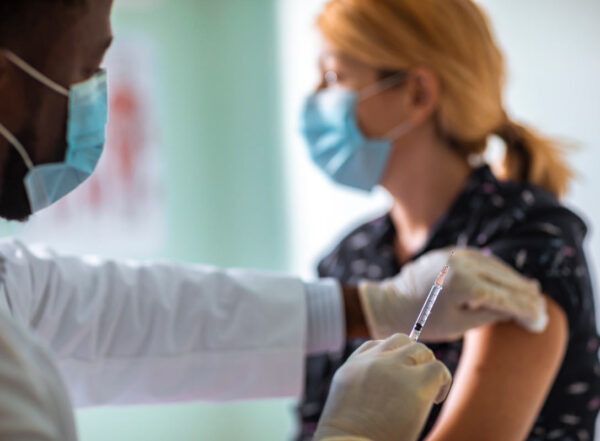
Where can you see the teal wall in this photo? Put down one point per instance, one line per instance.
(219, 129)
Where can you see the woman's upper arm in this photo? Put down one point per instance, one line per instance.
(504, 376)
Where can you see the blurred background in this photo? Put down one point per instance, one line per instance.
(204, 163)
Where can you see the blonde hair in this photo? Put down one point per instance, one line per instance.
(454, 40)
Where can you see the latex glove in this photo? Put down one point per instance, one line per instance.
(384, 392)
(479, 290)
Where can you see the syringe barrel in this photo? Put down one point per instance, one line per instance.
(425, 311)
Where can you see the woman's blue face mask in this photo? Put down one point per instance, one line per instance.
(334, 139)
(86, 135)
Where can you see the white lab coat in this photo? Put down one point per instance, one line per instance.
(131, 333)
(34, 404)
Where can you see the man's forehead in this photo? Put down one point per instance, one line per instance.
(90, 31)
(80, 36)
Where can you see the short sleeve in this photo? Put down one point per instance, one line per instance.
(547, 246)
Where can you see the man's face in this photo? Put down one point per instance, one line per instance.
(77, 39)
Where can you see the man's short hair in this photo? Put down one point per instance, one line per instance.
(16, 13)
(15, 6)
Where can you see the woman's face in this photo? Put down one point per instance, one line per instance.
(377, 114)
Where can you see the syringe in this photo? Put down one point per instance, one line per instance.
(429, 302)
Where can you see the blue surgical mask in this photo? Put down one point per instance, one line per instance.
(334, 139)
(86, 134)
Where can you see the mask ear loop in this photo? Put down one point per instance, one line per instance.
(399, 131)
(385, 84)
(34, 73)
(17, 145)
(380, 86)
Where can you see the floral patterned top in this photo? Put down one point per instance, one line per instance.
(527, 228)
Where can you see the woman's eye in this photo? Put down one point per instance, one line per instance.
(331, 78)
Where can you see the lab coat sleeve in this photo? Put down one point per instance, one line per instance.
(34, 403)
(131, 333)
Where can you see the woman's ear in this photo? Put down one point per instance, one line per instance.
(424, 94)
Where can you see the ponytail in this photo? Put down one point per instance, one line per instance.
(533, 158)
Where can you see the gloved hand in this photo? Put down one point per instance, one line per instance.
(478, 290)
(384, 392)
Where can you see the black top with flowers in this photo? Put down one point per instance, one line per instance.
(527, 228)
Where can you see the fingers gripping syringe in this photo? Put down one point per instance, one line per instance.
(429, 302)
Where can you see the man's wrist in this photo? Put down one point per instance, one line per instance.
(356, 324)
